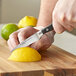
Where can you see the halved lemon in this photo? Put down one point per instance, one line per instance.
(25, 54)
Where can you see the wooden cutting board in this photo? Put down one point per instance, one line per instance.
(55, 62)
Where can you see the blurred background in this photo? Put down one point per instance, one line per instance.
(11, 11)
(14, 10)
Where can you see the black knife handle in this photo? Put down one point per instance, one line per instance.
(47, 29)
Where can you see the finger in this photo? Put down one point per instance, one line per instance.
(66, 25)
(25, 33)
(50, 36)
(14, 39)
(44, 42)
(62, 19)
(71, 19)
(47, 40)
(22, 35)
(73, 24)
(9, 44)
(58, 27)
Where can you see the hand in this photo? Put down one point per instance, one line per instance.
(20, 35)
(64, 15)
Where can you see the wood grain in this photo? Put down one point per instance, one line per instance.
(55, 62)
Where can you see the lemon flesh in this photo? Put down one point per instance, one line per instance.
(7, 29)
(25, 54)
(27, 21)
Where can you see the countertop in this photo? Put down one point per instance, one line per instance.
(54, 62)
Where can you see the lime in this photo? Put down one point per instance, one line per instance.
(7, 29)
(25, 54)
(27, 21)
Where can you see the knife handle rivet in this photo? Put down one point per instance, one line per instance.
(47, 29)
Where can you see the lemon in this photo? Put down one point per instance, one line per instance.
(25, 54)
(7, 29)
(27, 21)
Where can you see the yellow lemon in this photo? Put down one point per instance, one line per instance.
(25, 54)
(27, 21)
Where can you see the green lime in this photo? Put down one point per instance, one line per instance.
(7, 29)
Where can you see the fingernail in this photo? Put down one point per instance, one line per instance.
(59, 32)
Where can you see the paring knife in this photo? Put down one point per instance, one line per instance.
(35, 37)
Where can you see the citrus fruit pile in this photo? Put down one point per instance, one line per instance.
(24, 22)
